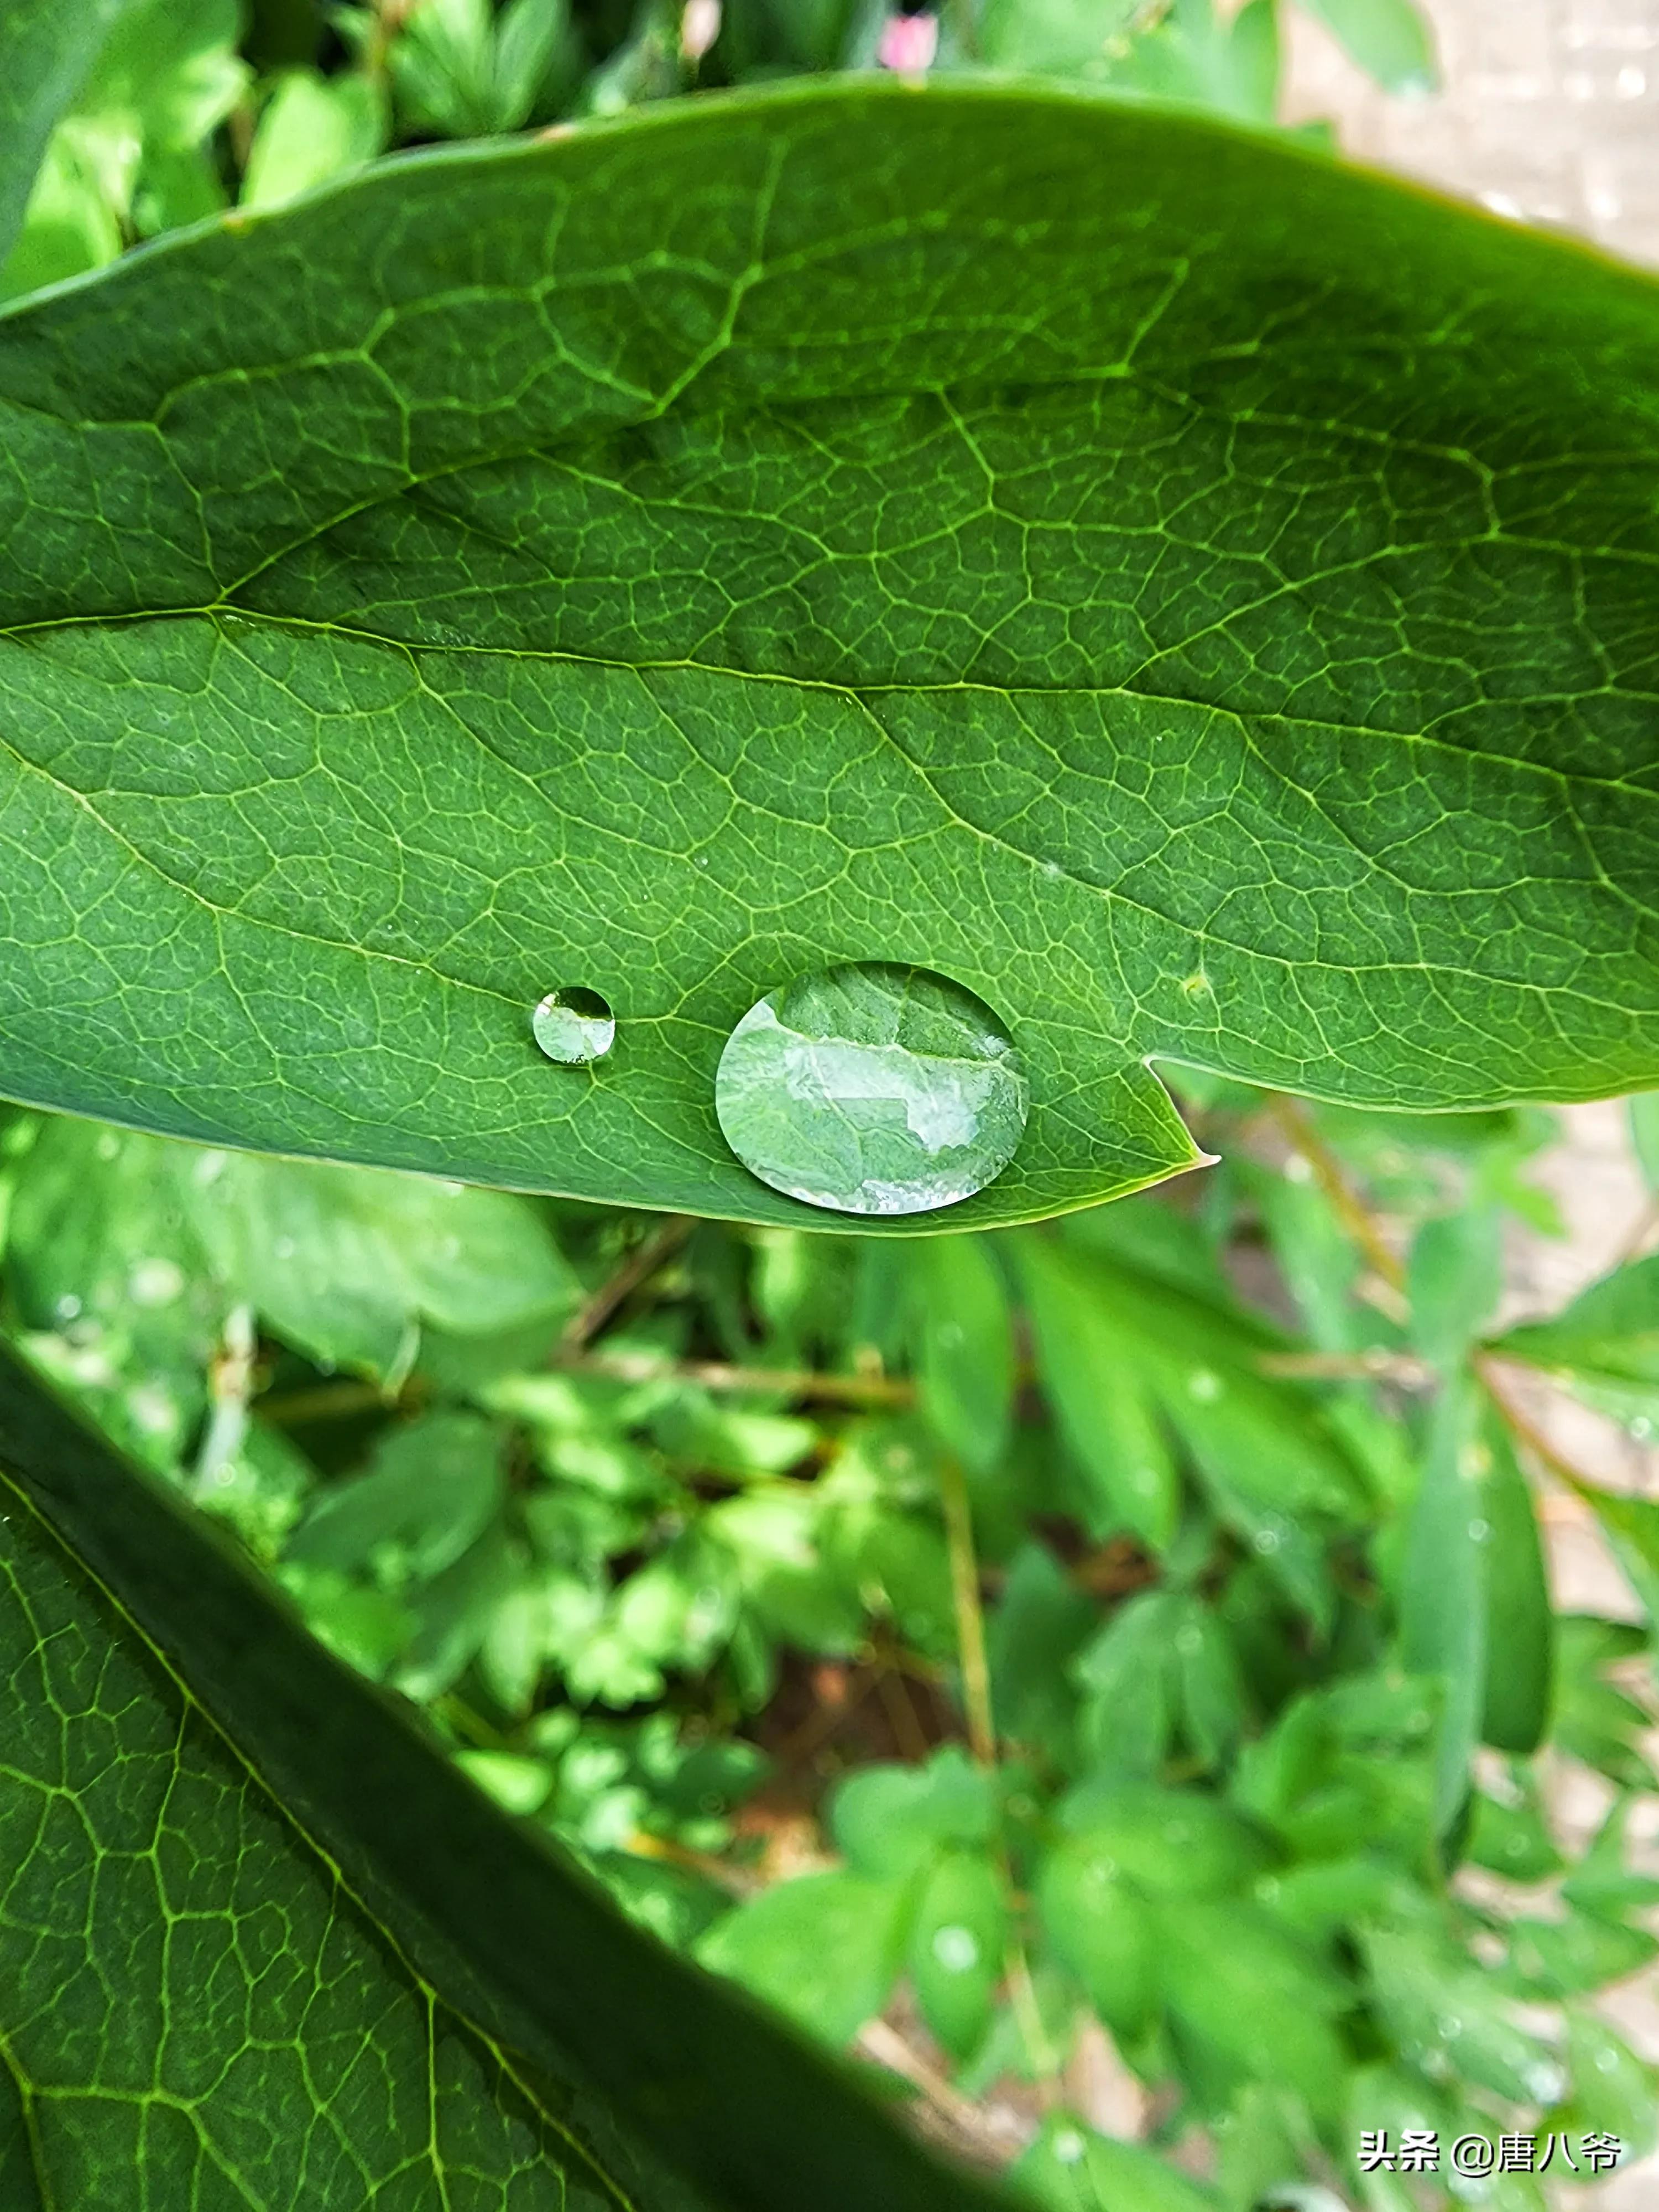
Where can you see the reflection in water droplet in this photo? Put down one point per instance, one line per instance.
(574, 1027)
(872, 1089)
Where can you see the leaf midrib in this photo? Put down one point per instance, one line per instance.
(1108, 894)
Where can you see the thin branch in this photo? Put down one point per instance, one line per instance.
(970, 1618)
(1521, 1426)
(721, 1375)
(328, 1401)
(1376, 1366)
(1297, 1124)
(641, 1263)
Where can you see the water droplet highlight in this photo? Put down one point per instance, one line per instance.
(956, 1948)
(872, 1089)
(574, 1027)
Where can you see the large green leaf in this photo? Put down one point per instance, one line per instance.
(1195, 597)
(260, 1947)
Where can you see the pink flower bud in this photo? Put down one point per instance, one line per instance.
(909, 44)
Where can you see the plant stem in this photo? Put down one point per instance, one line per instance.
(970, 1618)
(641, 1263)
(723, 1375)
(1296, 1123)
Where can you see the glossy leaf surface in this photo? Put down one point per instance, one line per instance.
(260, 1943)
(1191, 596)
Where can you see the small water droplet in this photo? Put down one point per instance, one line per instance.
(109, 1146)
(872, 1089)
(1204, 1384)
(1265, 1540)
(1641, 1428)
(956, 1948)
(1479, 1531)
(67, 1307)
(283, 1248)
(1069, 2146)
(574, 1027)
(155, 1282)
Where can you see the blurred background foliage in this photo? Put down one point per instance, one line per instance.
(1118, 1653)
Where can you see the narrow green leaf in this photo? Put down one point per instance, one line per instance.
(416, 526)
(1604, 1346)
(965, 1371)
(1442, 1600)
(1100, 1400)
(1643, 1111)
(1455, 1275)
(163, 1813)
(1520, 1655)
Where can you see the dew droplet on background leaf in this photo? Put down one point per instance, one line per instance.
(872, 1089)
(574, 1027)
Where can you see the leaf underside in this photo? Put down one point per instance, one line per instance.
(1196, 597)
(263, 1950)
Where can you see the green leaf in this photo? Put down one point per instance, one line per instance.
(1513, 1839)
(310, 129)
(1101, 1403)
(1072, 2169)
(1171, 1842)
(1446, 2012)
(1612, 2088)
(237, 1875)
(1520, 1656)
(345, 1264)
(1604, 1346)
(1644, 1110)
(890, 1820)
(826, 1948)
(1456, 1275)
(45, 52)
(433, 1489)
(1594, 1717)
(965, 1369)
(1631, 1525)
(1194, 56)
(1602, 1883)
(1443, 1602)
(1389, 38)
(1098, 1926)
(1245, 1989)
(957, 1945)
(395, 641)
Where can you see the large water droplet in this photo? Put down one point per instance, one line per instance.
(573, 1026)
(872, 1089)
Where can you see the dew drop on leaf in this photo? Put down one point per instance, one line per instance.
(872, 1089)
(574, 1027)
(956, 1948)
